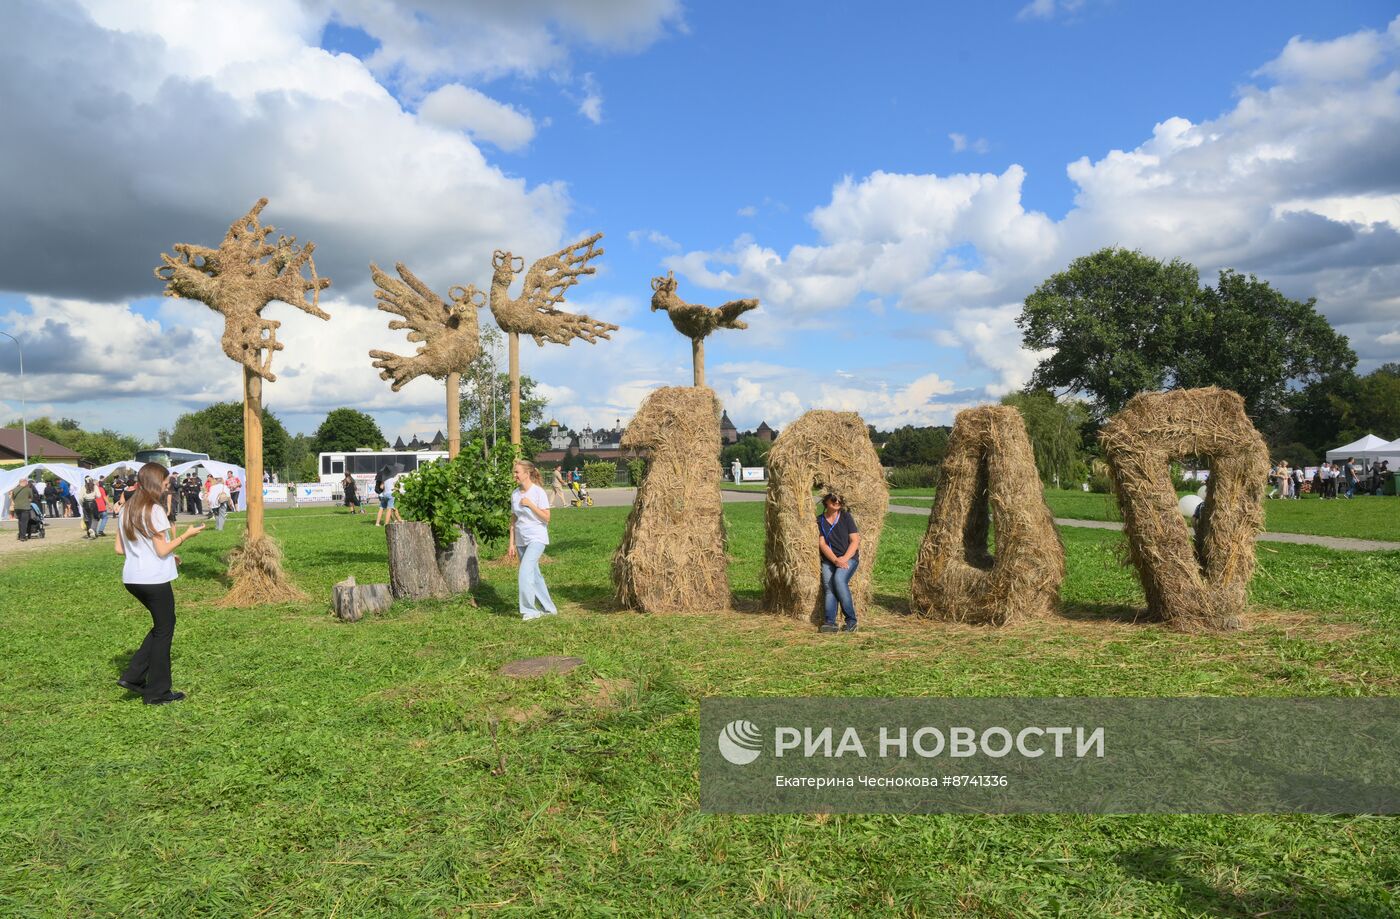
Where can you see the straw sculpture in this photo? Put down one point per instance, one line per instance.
(239, 279)
(822, 449)
(535, 312)
(1202, 586)
(988, 479)
(694, 321)
(672, 556)
(449, 335)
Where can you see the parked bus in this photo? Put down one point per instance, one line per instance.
(364, 465)
(168, 456)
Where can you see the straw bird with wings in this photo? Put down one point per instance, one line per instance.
(534, 312)
(449, 333)
(691, 319)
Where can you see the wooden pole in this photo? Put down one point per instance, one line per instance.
(253, 451)
(697, 359)
(515, 388)
(454, 419)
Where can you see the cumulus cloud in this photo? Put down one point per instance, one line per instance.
(466, 109)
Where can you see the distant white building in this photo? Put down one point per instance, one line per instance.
(587, 440)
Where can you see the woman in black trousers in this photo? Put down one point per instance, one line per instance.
(148, 543)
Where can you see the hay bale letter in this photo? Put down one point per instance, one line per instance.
(822, 449)
(988, 477)
(672, 555)
(1202, 586)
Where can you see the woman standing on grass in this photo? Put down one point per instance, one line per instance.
(529, 534)
(148, 543)
(352, 494)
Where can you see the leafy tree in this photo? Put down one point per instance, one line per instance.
(911, 446)
(471, 491)
(749, 451)
(1345, 407)
(347, 429)
(1056, 429)
(485, 407)
(96, 447)
(218, 431)
(300, 464)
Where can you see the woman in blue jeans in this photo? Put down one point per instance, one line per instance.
(839, 542)
(529, 534)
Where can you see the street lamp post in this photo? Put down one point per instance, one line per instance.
(23, 409)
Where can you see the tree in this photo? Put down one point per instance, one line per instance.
(347, 429)
(96, 447)
(911, 446)
(218, 431)
(299, 464)
(1055, 428)
(1345, 407)
(486, 397)
(749, 451)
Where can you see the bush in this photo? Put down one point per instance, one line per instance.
(636, 471)
(1099, 484)
(470, 492)
(913, 477)
(600, 475)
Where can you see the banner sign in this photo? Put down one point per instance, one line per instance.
(1102, 756)
(274, 494)
(753, 474)
(313, 491)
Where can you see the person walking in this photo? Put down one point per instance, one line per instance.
(219, 503)
(388, 512)
(90, 490)
(147, 543)
(352, 494)
(1299, 477)
(1349, 474)
(37, 487)
(66, 504)
(170, 497)
(529, 534)
(22, 504)
(204, 493)
(102, 502)
(556, 490)
(234, 485)
(838, 541)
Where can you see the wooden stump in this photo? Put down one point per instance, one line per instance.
(352, 601)
(413, 567)
(458, 564)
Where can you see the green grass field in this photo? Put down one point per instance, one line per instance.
(321, 768)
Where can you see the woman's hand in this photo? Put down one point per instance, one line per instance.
(193, 530)
(511, 553)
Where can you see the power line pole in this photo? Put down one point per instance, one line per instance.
(23, 408)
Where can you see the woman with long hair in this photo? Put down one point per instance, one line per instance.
(529, 534)
(148, 543)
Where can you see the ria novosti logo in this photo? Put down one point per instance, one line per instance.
(739, 742)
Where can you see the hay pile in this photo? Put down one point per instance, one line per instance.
(672, 556)
(822, 449)
(988, 477)
(1202, 586)
(256, 570)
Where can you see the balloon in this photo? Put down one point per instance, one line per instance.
(1188, 504)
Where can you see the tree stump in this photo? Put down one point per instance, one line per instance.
(352, 601)
(413, 566)
(458, 564)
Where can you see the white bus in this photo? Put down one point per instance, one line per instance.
(364, 465)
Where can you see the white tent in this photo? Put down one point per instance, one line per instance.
(1387, 451)
(9, 478)
(1356, 448)
(101, 472)
(219, 470)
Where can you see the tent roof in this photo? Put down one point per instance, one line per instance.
(1387, 451)
(1369, 442)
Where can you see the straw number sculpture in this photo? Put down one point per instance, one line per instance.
(988, 478)
(822, 449)
(1200, 586)
(697, 322)
(239, 278)
(535, 311)
(449, 335)
(672, 556)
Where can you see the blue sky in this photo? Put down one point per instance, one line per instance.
(890, 180)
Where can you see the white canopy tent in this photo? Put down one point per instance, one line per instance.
(1386, 451)
(1356, 448)
(101, 472)
(219, 470)
(9, 478)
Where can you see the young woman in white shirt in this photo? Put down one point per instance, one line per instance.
(148, 543)
(529, 534)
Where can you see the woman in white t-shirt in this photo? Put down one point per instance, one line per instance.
(146, 539)
(529, 534)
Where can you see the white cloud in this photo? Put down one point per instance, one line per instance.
(747, 210)
(961, 143)
(654, 237)
(465, 109)
(1047, 9)
(1390, 338)
(592, 105)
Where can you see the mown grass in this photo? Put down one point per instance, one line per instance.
(320, 768)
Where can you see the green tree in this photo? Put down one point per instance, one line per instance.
(749, 451)
(218, 431)
(471, 491)
(96, 447)
(1055, 428)
(299, 464)
(911, 446)
(347, 429)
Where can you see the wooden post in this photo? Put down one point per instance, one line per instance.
(253, 451)
(515, 388)
(697, 359)
(454, 419)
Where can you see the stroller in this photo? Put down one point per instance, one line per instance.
(581, 497)
(36, 523)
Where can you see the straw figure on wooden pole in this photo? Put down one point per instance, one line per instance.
(822, 449)
(1202, 586)
(988, 478)
(239, 279)
(534, 312)
(694, 321)
(449, 335)
(672, 556)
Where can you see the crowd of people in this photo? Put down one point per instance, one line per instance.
(36, 498)
(1330, 480)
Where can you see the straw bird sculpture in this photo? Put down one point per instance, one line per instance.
(534, 312)
(242, 276)
(694, 321)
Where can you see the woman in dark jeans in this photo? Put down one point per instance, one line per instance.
(147, 542)
(839, 542)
